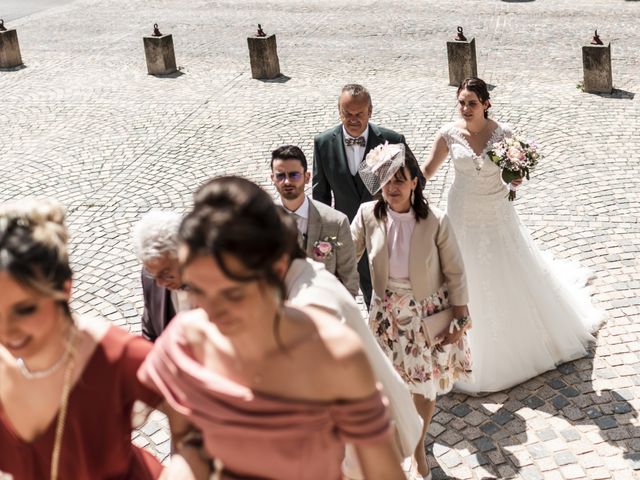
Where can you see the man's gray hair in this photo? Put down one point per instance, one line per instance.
(356, 90)
(156, 235)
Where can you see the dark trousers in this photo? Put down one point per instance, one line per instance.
(365, 279)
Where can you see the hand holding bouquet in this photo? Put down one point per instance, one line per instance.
(516, 158)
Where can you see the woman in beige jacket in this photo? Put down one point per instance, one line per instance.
(416, 271)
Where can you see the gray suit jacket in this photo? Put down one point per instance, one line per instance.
(331, 170)
(326, 222)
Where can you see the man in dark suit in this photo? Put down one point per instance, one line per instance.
(158, 307)
(337, 155)
(324, 232)
(155, 239)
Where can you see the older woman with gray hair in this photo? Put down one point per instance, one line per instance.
(155, 241)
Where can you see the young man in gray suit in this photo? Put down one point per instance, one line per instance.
(337, 154)
(325, 233)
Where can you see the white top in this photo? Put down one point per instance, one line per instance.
(399, 230)
(355, 153)
(301, 215)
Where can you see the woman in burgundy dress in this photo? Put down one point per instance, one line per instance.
(276, 391)
(67, 386)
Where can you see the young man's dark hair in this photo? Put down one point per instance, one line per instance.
(289, 152)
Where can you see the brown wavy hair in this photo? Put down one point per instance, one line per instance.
(479, 87)
(234, 216)
(420, 204)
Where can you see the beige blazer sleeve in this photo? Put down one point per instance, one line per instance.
(451, 263)
(358, 234)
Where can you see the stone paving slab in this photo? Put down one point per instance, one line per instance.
(84, 122)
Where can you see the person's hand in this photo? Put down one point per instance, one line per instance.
(517, 182)
(447, 338)
(460, 311)
(451, 338)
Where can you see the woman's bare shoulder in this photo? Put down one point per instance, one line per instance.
(340, 356)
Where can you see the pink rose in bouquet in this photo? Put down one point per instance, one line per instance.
(516, 158)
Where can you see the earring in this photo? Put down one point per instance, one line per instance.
(412, 196)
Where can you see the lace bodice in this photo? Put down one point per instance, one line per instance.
(479, 174)
(478, 194)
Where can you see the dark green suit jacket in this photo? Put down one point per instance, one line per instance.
(331, 173)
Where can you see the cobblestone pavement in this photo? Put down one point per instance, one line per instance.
(83, 122)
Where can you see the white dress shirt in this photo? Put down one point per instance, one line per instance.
(355, 153)
(301, 215)
(180, 300)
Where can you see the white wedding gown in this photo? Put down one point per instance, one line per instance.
(529, 313)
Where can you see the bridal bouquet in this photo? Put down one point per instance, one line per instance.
(516, 158)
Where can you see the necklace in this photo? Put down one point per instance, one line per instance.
(479, 131)
(62, 414)
(38, 374)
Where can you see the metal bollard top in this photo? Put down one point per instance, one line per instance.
(596, 39)
(2, 27)
(156, 31)
(460, 37)
(260, 32)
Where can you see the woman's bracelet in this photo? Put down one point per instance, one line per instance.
(459, 323)
(462, 321)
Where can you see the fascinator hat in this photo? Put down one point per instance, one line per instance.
(380, 165)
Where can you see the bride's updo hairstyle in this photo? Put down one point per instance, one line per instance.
(479, 87)
(234, 216)
(33, 247)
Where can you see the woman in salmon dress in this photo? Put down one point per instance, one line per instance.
(276, 391)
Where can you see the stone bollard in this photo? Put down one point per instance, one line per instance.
(596, 64)
(263, 54)
(9, 48)
(461, 54)
(158, 50)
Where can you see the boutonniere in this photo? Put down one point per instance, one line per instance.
(323, 249)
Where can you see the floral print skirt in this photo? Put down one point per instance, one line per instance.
(396, 322)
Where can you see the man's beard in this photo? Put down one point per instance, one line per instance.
(292, 194)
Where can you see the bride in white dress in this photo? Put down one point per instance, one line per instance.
(529, 313)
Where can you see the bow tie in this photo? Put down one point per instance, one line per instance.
(355, 141)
